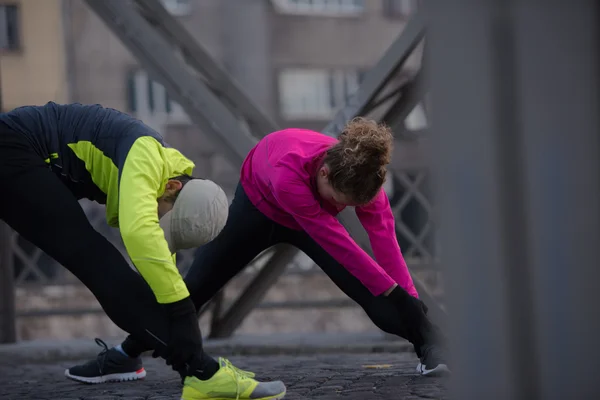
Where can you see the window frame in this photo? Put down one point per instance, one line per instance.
(157, 100)
(328, 96)
(17, 44)
(344, 8)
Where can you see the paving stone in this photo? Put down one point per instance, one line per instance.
(321, 377)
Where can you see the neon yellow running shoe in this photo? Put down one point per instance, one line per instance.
(231, 383)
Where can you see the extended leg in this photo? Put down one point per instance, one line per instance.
(384, 313)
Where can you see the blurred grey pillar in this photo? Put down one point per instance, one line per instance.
(560, 94)
(515, 115)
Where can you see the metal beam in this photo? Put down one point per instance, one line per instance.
(411, 94)
(8, 331)
(378, 76)
(153, 51)
(263, 281)
(217, 306)
(221, 82)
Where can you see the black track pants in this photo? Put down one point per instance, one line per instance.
(36, 204)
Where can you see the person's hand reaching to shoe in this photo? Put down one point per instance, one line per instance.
(185, 339)
(412, 310)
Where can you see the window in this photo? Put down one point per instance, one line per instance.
(320, 7)
(315, 93)
(146, 97)
(417, 119)
(178, 8)
(9, 27)
(399, 8)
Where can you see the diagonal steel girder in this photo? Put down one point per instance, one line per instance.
(152, 34)
(378, 76)
(412, 94)
(216, 78)
(156, 55)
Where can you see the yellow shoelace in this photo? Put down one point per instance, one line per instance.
(238, 374)
(242, 372)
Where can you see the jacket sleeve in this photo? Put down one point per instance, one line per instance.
(140, 183)
(378, 220)
(297, 198)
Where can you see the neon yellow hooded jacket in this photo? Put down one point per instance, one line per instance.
(114, 159)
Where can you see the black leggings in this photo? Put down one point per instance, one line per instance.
(36, 204)
(246, 234)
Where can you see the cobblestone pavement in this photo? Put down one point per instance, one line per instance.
(326, 377)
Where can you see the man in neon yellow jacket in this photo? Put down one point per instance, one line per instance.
(53, 155)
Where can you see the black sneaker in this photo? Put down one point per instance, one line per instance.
(433, 361)
(110, 366)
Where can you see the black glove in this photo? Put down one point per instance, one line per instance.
(412, 313)
(185, 340)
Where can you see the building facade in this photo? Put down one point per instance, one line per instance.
(298, 59)
(33, 61)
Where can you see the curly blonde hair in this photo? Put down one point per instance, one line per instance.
(357, 163)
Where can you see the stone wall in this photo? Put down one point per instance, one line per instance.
(262, 321)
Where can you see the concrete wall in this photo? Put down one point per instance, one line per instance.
(314, 287)
(35, 73)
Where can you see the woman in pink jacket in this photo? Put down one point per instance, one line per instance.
(293, 183)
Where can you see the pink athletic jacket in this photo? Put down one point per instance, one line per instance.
(278, 176)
